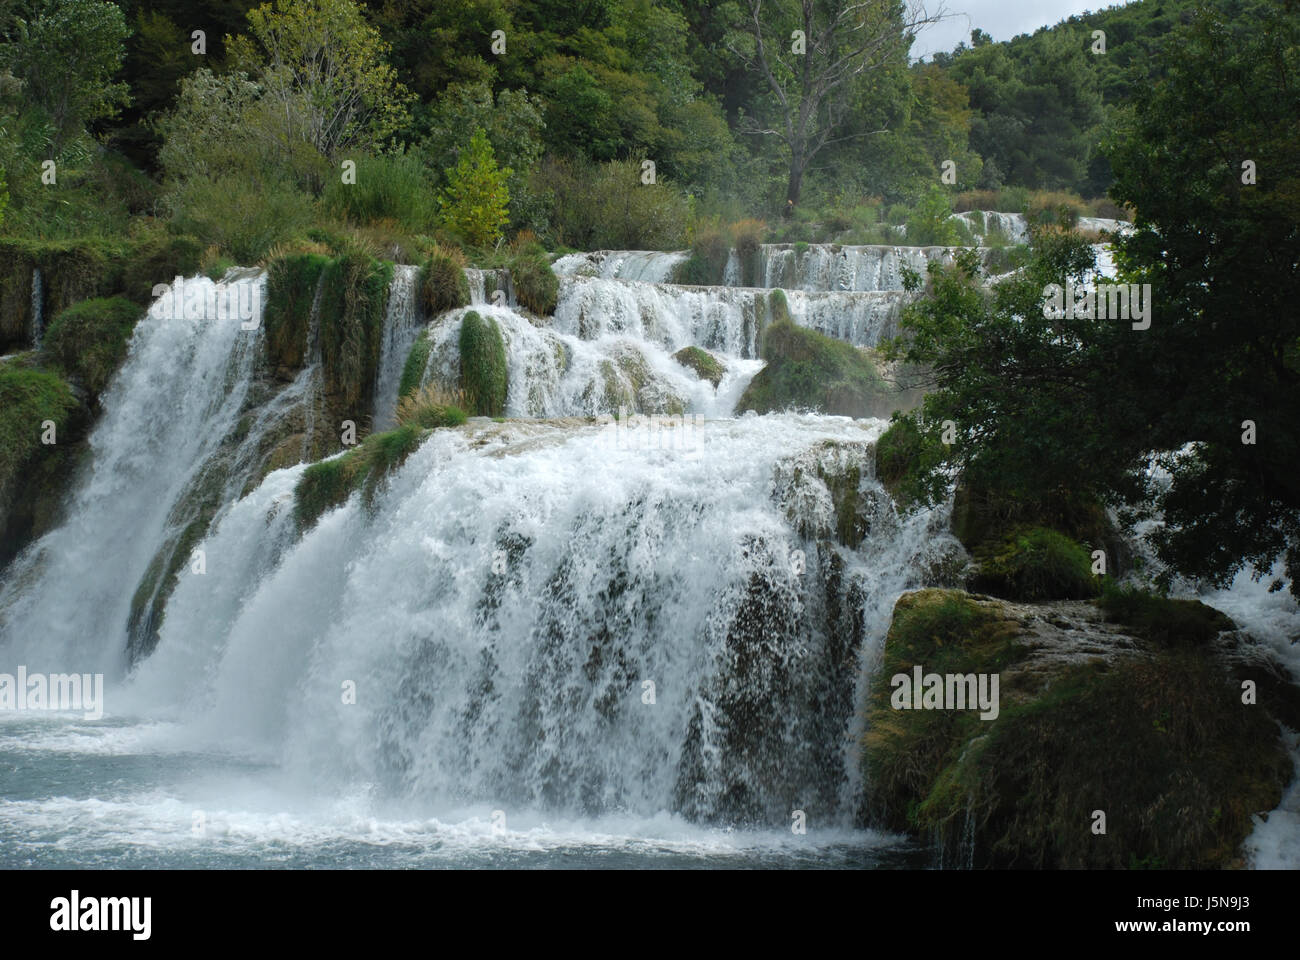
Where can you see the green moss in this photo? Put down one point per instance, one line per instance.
(809, 371)
(330, 483)
(1169, 623)
(89, 341)
(416, 361)
(1035, 563)
(483, 375)
(443, 285)
(290, 293)
(28, 398)
(1020, 790)
(706, 365)
(536, 286)
(352, 324)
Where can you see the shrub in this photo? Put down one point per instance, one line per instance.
(89, 340)
(430, 407)
(243, 218)
(483, 374)
(931, 223)
(442, 281)
(416, 362)
(906, 458)
(536, 285)
(606, 206)
(393, 188)
(291, 284)
(1170, 623)
(1035, 563)
(28, 398)
(710, 251)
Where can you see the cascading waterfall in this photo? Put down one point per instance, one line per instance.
(617, 636)
(401, 327)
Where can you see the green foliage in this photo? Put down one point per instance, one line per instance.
(809, 371)
(931, 223)
(607, 207)
(443, 285)
(430, 407)
(354, 293)
(291, 284)
(483, 374)
(330, 483)
(1035, 563)
(66, 57)
(1169, 623)
(88, 341)
(536, 286)
(416, 362)
(476, 198)
(906, 458)
(389, 187)
(28, 398)
(246, 218)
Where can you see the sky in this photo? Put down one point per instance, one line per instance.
(1003, 19)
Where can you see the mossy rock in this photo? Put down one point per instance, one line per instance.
(537, 288)
(1159, 741)
(443, 285)
(291, 286)
(330, 483)
(906, 458)
(1165, 622)
(417, 359)
(353, 300)
(34, 475)
(483, 374)
(89, 340)
(705, 365)
(808, 371)
(1035, 563)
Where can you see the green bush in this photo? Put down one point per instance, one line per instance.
(906, 457)
(607, 207)
(28, 398)
(352, 323)
(1035, 563)
(710, 251)
(443, 285)
(483, 374)
(416, 361)
(395, 188)
(290, 293)
(430, 407)
(536, 286)
(330, 483)
(1170, 623)
(89, 341)
(243, 218)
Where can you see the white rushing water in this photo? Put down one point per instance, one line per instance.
(401, 327)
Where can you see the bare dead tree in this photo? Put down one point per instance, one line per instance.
(811, 76)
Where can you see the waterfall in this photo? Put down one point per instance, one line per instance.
(648, 266)
(503, 606)
(38, 306)
(400, 330)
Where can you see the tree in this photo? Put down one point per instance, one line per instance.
(325, 74)
(67, 58)
(811, 78)
(476, 200)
